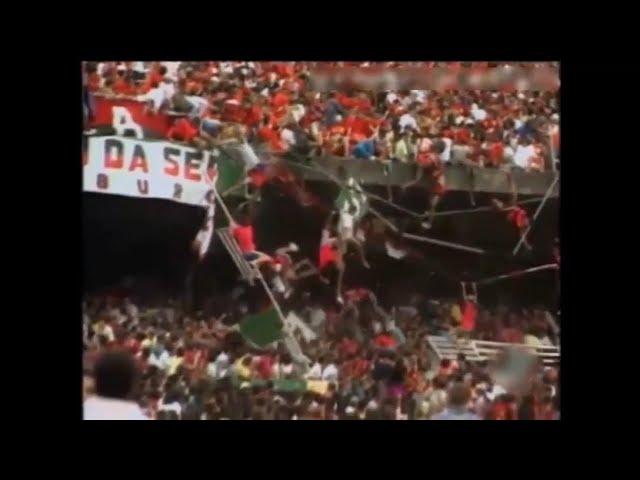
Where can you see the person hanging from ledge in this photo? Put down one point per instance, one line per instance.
(429, 160)
(469, 310)
(516, 215)
(329, 254)
(187, 132)
(243, 234)
(352, 205)
(289, 272)
(278, 267)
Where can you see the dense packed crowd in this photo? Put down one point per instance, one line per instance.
(277, 106)
(365, 363)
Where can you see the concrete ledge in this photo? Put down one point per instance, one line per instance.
(457, 176)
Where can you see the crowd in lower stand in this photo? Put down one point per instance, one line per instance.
(278, 105)
(365, 362)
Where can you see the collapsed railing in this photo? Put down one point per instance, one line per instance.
(446, 347)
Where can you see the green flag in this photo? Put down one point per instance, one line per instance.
(230, 171)
(352, 199)
(290, 385)
(262, 328)
(280, 385)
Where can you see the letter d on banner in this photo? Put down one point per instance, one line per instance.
(113, 154)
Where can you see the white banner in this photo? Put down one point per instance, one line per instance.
(138, 168)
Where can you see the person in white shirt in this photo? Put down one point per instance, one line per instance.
(115, 377)
(315, 373)
(200, 105)
(138, 67)
(419, 96)
(297, 112)
(478, 113)
(391, 97)
(317, 318)
(408, 120)
(107, 332)
(445, 156)
(172, 68)
(160, 358)
(168, 87)
(288, 137)
(283, 367)
(330, 373)
(222, 365)
(156, 96)
(524, 153)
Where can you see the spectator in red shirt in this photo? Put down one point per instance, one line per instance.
(280, 101)
(233, 111)
(155, 77)
(195, 359)
(270, 136)
(243, 233)
(504, 408)
(516, 215)
(253, 113)
(186, 131)
(124, 86)
(385, 341)
(264, 367)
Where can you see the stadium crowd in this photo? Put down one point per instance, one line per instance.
(366, 363)
(277, 106)
(361, 360)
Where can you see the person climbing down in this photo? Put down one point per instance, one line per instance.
(515, 214)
